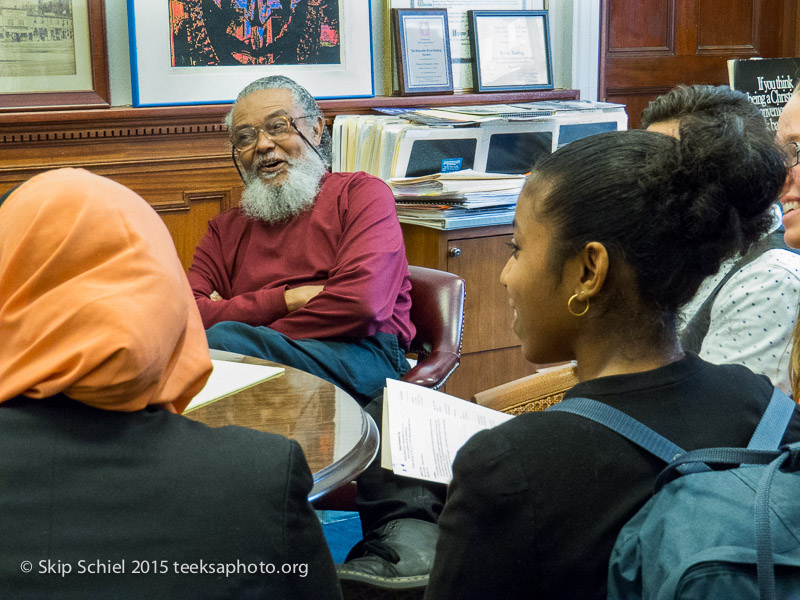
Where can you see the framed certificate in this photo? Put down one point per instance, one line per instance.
(423, 51)
(511, 50)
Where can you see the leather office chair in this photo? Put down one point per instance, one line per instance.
(437, 312)
(532, 393)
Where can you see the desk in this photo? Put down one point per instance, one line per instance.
(338, 438)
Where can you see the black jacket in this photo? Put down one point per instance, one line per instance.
(157, 505)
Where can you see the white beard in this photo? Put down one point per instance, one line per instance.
(276, 202)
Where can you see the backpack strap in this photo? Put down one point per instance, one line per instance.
(765, 563)
(773, 423)
(627, 427)
(767, 435)
(714, 456)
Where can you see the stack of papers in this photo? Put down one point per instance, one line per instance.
(453, 217)
(423, 429)
(462, 183)
(452, 200)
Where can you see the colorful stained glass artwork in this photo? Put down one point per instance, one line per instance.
(254, 32)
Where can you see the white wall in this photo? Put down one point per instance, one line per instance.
(574, 30)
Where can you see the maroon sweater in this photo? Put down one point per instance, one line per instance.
(350, 242)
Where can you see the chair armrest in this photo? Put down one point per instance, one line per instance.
(434, 370)
(530, 393)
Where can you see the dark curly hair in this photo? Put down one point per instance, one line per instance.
(703, 101)
(671, 210)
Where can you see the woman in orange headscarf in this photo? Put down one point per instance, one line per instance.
(100, 344)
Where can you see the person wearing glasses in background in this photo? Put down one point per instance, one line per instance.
(310, 271)
(788, 136)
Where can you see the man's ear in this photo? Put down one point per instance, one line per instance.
(317, 130)
(591, 269)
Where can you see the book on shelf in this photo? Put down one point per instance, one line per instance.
(768, 83)
(422, 430)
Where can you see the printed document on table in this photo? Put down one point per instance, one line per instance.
(423, 429)
(229, 377)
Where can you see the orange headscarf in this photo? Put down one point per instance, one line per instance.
(94, 302)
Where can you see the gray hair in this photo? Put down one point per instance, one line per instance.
(302, 100)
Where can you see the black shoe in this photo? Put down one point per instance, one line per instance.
(393, 562)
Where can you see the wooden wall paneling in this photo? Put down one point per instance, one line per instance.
(188, 223)
(791, 28)
(724, 26)
(641, 26)
(648, 47)
(483, 370)
(177, 160)
(176, 157)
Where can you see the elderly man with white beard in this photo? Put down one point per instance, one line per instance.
(310, 271)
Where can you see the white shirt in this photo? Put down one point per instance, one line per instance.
(753, 315)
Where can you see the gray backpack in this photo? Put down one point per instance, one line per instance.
(708, 533)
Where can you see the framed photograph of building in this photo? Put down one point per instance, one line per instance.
(53, 55)
(206, 51)
(511, 49)
(422, 44)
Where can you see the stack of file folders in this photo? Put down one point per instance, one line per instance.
(496, 138)
(458, 199)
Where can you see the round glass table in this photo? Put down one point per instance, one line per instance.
(338, 438)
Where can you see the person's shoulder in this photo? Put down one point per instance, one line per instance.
(360, 192)
(732, 380)
(349, 177)
(357, 181)
(783, 260)
(233, 442)
(774, 268)
(229, 433)
(509, 439)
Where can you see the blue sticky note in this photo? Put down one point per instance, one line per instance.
(451, 164)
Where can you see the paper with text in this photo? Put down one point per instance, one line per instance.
(229, 377)
(423, 429)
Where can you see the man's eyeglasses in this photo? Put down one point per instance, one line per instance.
(276, 128)
(792, 152)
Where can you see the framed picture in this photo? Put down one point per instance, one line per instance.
(511, 49)
(460, 48)
(422, 43)
(53, 55)
(206, 51)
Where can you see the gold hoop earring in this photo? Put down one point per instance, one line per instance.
(572, 312)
